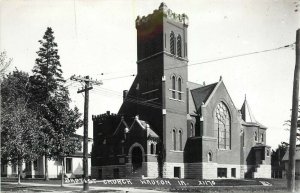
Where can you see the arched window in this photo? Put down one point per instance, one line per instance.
(268, 152)
(173, 87)
(209, 157)
(179, 46)
(152, 150)
(222, 126)
(174, 138)
(179, 89)
(255, 136)
(172, 43)
(262, 137)
(192, 130)
(243, 138)
(180, 140)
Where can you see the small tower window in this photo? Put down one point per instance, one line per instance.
(192, 130)
(179, 89)
(173, 87)
(174, 138)
(179, 46)
(180, 140)
(262, 137)
(172, 43)
(255, 136)
(152, 149)
(209, 156)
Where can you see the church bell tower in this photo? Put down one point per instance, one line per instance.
(162, 60)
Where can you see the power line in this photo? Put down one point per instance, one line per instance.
(233, 56)
(119, 77)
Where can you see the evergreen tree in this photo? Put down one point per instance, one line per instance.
(51, 98)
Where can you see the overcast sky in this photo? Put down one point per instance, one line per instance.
(99, 36)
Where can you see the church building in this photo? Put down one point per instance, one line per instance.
(172, 128)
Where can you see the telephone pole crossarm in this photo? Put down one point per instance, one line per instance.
(86, 79)
(83, 90)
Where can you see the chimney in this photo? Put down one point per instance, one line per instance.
(125, 92)
(108, 112)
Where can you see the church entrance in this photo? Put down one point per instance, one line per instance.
(137, 158)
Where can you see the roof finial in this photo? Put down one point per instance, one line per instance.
(220, 78)
(245, 96)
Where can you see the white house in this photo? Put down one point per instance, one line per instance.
(297, 158)
(36, 169)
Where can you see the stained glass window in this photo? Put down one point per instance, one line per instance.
(222, 126)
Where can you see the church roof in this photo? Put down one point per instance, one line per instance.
(248, 117)
(145, 126)
(200, 95)
(193, 85)
(151, 133)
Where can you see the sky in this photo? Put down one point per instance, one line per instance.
(97, 37)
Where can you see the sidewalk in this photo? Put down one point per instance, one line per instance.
(75, 188)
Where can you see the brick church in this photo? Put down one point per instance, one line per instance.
(172, 128)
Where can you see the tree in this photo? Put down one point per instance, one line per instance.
(20, 125)
(276, 160)
(50, 97)
(288, 124)
(4, 63)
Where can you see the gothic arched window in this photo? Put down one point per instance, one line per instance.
(179, 46)
(174, 138)
(192, 130)
(222, 126)
(173, 87)
(179, 89)
(209, 157)
(180, 140)
(172, 43)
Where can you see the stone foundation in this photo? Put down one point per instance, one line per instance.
(108, 171)
(169, 169)
(152, 169)
(209, 170)
(263, 171)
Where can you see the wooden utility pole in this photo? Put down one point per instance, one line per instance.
(88, 82)
(293, 131)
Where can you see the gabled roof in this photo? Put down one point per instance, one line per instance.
(297, 154)
(200, 95)
(122, 122)
(151, 133)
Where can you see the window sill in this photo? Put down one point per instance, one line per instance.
(176, 151)
(176, 99)
(154, 155)
(224, 149)
(176, 91)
